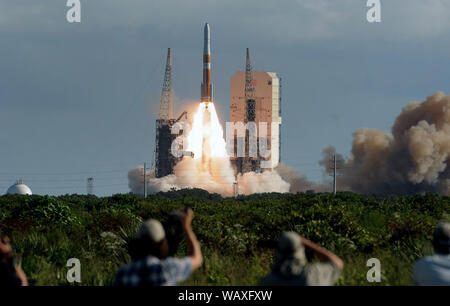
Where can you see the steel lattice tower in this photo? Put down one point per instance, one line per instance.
(166, 107)
(164, 159)
(249, 90)
(249, 163)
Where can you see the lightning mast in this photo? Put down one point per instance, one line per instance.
(166, 107)
(164, 159)
(250, 100)
(249, 163)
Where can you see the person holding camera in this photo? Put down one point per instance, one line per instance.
(152, 265)
(10, 273)
(291, 268)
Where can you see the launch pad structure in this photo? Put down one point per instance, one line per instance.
(165, 161)
(255, 99)
(248, 163)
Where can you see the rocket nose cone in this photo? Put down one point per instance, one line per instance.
(206, 30)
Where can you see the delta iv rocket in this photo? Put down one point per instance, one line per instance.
(207, 87)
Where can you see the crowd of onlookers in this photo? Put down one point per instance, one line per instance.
(152, 266)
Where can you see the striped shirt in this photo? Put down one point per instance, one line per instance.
(152, 271)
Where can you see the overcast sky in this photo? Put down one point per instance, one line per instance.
(80, 100)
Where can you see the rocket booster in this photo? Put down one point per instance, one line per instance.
(207, 87)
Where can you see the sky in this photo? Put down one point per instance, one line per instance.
(80, 100)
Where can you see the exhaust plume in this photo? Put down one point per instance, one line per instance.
(210, 167)
(414, 159)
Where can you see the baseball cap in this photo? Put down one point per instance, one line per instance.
(290, 243)
(290, 256)
(152, 229)
(441, 236)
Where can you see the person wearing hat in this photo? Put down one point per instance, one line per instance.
(290, 267)
(434, 270)
(151, 264)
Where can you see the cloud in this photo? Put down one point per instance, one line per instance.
(283, 21)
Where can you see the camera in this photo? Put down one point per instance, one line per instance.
(174, 231)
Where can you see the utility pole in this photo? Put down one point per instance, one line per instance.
(145, 180)
(235, 187)
(334, 174)
(90, 186)
(334, 168)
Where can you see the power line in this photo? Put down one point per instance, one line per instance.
(62, 173)
(68, 180)
(75, 187)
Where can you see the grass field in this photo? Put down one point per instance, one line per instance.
(47, 231)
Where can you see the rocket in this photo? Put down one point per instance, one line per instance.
(207, 87)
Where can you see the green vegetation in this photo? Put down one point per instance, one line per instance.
(47, 231)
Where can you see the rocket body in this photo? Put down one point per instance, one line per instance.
(207, 88)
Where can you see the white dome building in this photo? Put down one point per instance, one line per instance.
(19, 188)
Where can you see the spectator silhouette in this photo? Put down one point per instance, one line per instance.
(290, 267)
(151, 264)
(10, 272)
(434, 270)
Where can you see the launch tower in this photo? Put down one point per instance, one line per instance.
(164, 159)
(255, 96)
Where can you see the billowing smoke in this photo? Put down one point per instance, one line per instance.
(414, 159)
(268, 181)
(299, 182)
(210, 167)
(221, 180)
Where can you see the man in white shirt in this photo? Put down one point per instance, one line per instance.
(434, 270)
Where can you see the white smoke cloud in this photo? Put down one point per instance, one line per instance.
(210, 167)
(267, 181)
(220, 180)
